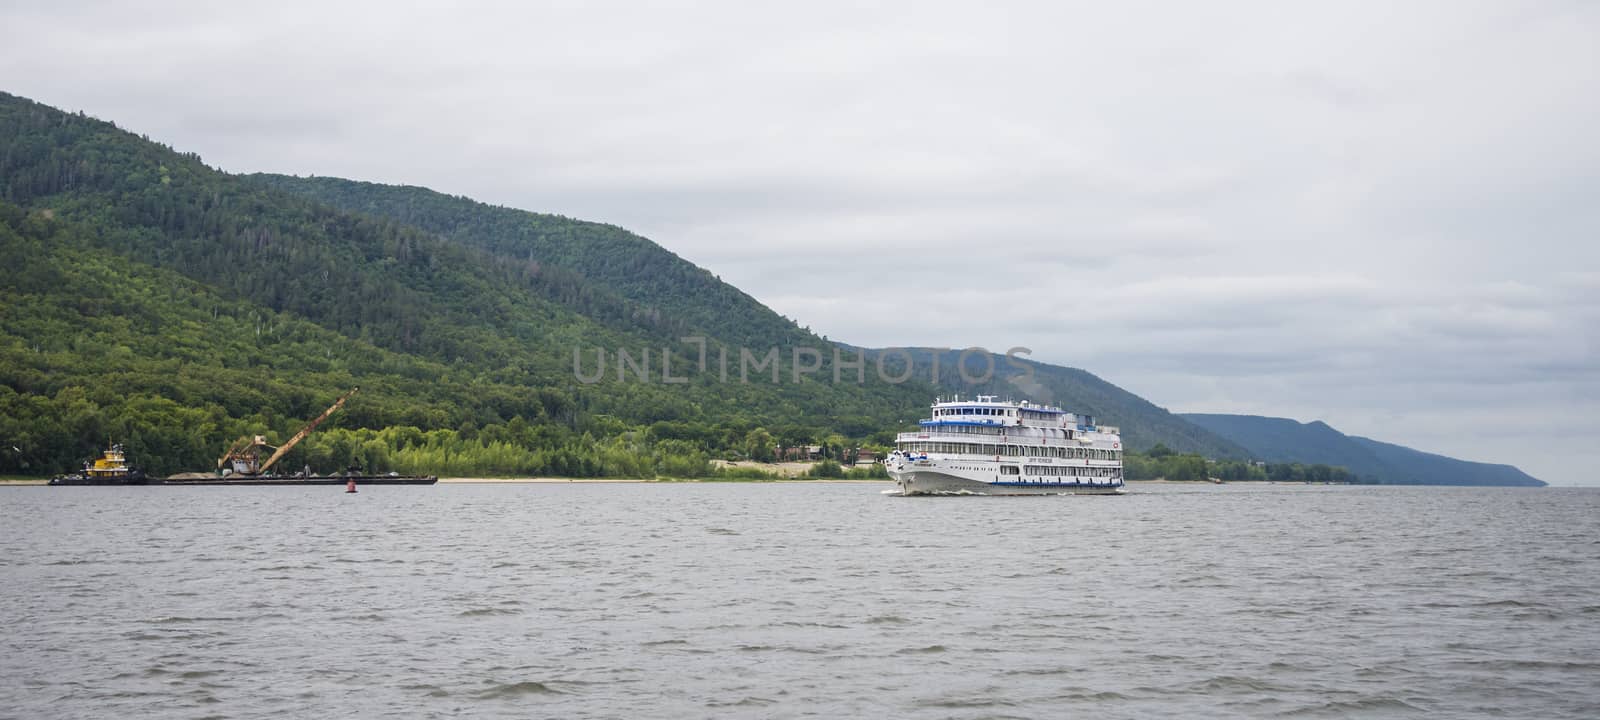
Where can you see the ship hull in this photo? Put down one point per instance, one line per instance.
(134, 479)
(933, 482)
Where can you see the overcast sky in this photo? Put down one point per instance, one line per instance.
(1382, 215)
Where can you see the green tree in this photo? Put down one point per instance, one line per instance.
(758, 445)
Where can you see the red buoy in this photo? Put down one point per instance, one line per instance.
(350, 485)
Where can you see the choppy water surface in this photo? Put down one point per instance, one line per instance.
(761, 600)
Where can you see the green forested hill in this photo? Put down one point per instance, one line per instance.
(619, 262)
(415, 306)
(1284, 440)
(153, 300)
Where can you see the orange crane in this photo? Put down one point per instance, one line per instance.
(246, 452)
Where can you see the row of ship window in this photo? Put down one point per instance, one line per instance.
(1001, 430)
(941, 412)
(1056, 470)
(1076, 474)
(973, 429)
(1074, 453)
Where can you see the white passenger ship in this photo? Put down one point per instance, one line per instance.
(989, 447)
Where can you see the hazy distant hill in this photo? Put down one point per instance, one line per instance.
(1284, 440)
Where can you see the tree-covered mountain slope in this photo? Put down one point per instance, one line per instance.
(611, 258)
(151, 299)
(1284, 440)
(506, 326)
(94, 347)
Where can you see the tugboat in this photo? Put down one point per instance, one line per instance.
(111, 468)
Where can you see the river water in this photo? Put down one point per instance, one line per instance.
(794, 600)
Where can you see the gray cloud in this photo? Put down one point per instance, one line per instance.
(1378, 215)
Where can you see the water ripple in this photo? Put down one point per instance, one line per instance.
(778, 600)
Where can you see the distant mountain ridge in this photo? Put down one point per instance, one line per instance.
(156, 300)
(1284, 440)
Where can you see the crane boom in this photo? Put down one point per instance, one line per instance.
(233, 452)
(307, 430)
